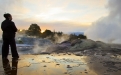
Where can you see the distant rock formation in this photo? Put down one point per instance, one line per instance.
(77, 45)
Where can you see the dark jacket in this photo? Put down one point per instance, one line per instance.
(9, 29)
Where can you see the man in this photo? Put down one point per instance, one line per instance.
(9, 29)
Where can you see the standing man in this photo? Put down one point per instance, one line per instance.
(9, 30)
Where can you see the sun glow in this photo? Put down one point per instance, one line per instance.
(42, 31)
(20, 30)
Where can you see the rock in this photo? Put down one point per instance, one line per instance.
(57, 64)
(44, 66)
(68, 66)
(102, 45)
(81, 44)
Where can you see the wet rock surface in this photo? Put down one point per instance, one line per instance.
(63, 64)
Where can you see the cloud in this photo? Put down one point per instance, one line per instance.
(107, 29)
(80, 12)
(48, 10)
(15, 7)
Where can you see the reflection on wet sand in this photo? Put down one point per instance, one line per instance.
(62, 64)
(8, 70)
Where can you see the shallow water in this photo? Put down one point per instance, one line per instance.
(62, 64)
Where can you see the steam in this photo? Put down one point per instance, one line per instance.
(107, 29)
(41, 45)
(59, 39)
(38, 49)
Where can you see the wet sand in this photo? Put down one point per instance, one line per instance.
(62, 64)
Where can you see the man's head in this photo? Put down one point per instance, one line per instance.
(7, 16)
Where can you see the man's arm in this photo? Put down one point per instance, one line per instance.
(14, 27)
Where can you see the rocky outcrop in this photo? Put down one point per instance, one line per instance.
(81, 44)
(77, 45)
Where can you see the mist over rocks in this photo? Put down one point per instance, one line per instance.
(30, 45)
(59, 47)
(40, 46)
(33, 41)
(80, 45)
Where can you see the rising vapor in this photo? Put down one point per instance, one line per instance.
(107, 29)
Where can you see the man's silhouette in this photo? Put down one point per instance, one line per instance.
(9, 29)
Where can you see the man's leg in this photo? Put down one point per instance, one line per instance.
(5, 48)
(13, 48)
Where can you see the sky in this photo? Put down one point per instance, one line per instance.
(58, 15)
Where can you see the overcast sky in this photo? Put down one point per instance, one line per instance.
(58, 15)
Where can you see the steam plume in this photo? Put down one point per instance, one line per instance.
(107, 29)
